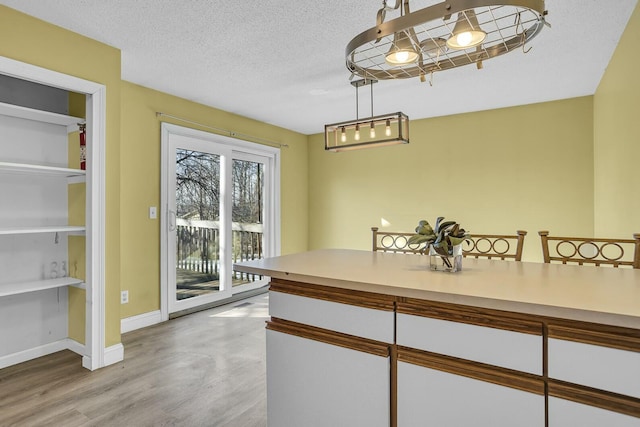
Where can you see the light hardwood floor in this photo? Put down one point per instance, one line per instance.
(204, 369)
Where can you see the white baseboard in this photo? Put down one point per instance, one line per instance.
(140, 321)
(75, 346)
(87, 363)
(33, 353)
(113, 354)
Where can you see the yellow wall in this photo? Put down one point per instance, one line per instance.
(39, 43)
(527, 167)
(140, 184)
(617, 139)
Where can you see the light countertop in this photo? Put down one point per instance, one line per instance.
(594, 294)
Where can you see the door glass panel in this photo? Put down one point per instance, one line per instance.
(247, 216)
(197, 223)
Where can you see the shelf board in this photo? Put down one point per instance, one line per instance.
(41, 170)
(38, 115)
(42, 229)
(8, 289)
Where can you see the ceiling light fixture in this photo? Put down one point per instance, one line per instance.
(401, 51)
(346, 136)
(443, 36)
(467, 32)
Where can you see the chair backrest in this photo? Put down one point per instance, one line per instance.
(495, 246)
(480, 245)
(393, 241)
(581, 250)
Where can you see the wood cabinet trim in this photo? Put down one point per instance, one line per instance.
(393, 404)
(593, 397)
(479, 371)
(328, 293)
(595, 334)
(471, 315)
(352, 342)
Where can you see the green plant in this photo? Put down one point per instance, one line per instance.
(442, 239)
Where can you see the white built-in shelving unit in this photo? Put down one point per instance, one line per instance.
(34, 230)
(52, 219)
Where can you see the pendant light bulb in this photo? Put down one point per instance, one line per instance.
(387, 128)
(467, 32)
(357, 136)
(343, 135)
(402, 50)
(372, 131)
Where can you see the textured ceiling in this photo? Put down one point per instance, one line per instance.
(282, 62)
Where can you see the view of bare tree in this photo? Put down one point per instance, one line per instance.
(197, 185)
(198, 201)
(247, 191)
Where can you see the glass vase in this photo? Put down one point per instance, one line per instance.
(450, 263)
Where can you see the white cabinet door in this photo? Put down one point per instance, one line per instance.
(563, 413)
(595, 366)
(499, 347)
(345, 318)
(428, 397)
(310, 383)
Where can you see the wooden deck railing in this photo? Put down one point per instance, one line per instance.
(198, 246)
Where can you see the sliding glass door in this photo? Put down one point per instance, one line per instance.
(247, 213)
(197, 223)
(220, 198)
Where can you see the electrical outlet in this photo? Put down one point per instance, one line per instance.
(152, 212)
(124, 297)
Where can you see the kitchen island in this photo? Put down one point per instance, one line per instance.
(371, 338)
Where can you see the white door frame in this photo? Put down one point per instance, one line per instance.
(94, 348)
(233, 145)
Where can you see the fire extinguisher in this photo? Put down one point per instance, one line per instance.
(83, 146)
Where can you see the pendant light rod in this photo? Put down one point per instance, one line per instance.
(357, 102)
(357, 84)
(371, 100)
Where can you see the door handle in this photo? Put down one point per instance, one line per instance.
(172, 220)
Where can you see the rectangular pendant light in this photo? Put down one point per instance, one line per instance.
(378, 131)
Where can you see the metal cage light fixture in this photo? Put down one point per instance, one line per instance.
(446, 35)
(371, 131)
(467, 31)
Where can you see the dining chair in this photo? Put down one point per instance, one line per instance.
(393, 241)
(495, 246)
(492, 246)
(595, 251)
